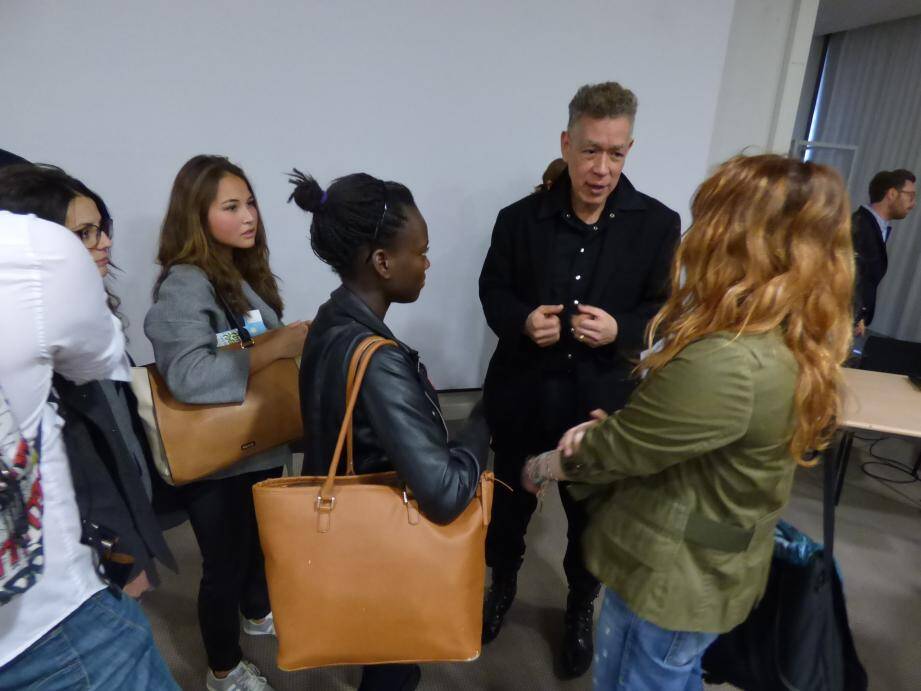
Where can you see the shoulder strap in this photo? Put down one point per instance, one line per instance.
(357, 358)
(246, 340)
(358, 366)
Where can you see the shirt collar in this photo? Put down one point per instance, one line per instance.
(559, 199)
(883, 225)
(355, 307)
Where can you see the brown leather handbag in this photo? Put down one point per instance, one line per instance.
(357, 575)
(191, 442)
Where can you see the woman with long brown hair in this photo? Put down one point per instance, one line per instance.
(686, 483)
(215, 261)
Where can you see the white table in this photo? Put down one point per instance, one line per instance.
(877, 402)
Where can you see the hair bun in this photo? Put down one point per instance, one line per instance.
(307, 192)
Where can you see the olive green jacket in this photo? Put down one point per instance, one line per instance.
(685, 484)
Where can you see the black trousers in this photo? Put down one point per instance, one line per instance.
(511, 513)
(386, 677)
(556, 409)
(233, 571)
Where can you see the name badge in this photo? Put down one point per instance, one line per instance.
(252, 320)
(226, 338)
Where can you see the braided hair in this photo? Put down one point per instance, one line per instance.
(356, 212)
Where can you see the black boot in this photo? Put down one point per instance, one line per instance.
(578, 646)
(498, 600)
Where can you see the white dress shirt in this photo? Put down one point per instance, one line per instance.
(53, 318)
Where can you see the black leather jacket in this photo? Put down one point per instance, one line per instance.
(398, 423)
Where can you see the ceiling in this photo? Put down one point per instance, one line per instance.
(841, 15)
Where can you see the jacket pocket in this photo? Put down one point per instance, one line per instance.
(646, 526)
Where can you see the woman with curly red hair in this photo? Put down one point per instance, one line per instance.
(685, 484)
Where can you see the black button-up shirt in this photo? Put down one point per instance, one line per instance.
(572, 267)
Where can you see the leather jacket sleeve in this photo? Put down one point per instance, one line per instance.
(864, 255)
(408, 423)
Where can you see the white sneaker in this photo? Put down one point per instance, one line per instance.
(266, 627)
(244, 677)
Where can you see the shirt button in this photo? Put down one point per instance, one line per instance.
(569, 356)
(581, 250)
(611, 215)
(578, 277)
(575, 302)
(594, 227)
(567, 215)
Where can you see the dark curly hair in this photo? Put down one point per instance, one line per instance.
(357, 212)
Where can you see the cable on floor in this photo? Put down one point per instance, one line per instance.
(892, 464)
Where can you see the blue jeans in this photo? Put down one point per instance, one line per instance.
(632, 654)
(105, 644)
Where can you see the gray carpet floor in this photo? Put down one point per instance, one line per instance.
(878, 547)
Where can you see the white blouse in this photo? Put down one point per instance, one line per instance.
(53, 318)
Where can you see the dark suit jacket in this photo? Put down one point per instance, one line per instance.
(871, 260)
(629, 282)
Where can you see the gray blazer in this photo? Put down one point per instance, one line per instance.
(181, 326)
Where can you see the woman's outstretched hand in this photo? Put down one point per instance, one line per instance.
(570, 441)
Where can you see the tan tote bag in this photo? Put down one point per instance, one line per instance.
(190, 442)
(357, 575)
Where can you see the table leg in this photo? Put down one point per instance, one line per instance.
(842, 456)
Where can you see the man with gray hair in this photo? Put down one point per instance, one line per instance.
(571, 278)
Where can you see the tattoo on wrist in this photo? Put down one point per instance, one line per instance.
(539, 468)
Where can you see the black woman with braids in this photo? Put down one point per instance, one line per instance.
(373, 236)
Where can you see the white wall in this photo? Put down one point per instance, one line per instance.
(463, 102)
(766, 59)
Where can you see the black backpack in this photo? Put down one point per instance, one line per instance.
(797, 638)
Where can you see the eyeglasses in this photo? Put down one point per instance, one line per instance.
(90, 234)
(912, 194)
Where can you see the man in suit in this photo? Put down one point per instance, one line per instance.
(892, 196)
(570, 280)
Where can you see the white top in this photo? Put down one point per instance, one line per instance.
(53, 317)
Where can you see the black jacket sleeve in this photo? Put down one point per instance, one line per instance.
(110, 495)
(632, 324)
(442, 476)
(505, 312)
(864, 254)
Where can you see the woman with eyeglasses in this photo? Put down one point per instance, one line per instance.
(69, 629)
